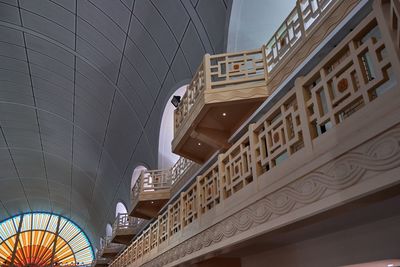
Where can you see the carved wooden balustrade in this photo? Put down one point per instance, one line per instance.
(303, 18)
(109, 249)
(336, 130)
(154, 187)
(150, 193)
(237, 78)
(227, 83)
(125, 228)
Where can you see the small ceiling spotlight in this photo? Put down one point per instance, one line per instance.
(224, 114)
(176, 100)
(152, 202)
(199, 144)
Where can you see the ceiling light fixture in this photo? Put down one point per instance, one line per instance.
(224, 114)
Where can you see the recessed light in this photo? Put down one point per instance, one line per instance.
(390, 265)
(224, 114)
(199, 144)
(152, 202)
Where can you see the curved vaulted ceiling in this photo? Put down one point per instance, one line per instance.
(83, 84)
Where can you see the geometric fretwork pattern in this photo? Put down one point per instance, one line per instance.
(43, 239)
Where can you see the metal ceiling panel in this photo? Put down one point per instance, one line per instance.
(50, 11)
(157, 28)
(48, 28)
(40, 45)
(9, 13)
(77, 86)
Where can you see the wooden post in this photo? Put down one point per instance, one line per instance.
(207, 72)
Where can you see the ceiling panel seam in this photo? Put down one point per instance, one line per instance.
(123, 50)
(13, 26)
(73, 115)
(36, 112)
(15, 168)
(176, 39)
(143, 131)
(109, 116)
(198, 25)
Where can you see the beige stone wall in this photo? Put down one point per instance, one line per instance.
(370, 242)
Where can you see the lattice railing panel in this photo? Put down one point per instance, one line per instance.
(133, 251)
(189, 201)
(237, 68)
(277, 135)
(163, 227)
(154, 180)
(124, 221)
(235, 169)
(180, 168)
(139, 247)
(196, 86)
(355, 76)
(146, 241)
(153, 235)
(209, 194)
(295, 28)
(174, 218)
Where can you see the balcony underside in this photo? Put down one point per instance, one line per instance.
(102, 262)
(213, 120)
(111, 252)
(124, 236)
(150, 204)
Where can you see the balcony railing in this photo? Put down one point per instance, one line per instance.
(230, 70)
(152, 182)
(125, 227)
(356, 80)
(109, 249)
(301, 20)
(124, 221)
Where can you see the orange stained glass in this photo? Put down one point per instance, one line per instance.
(40, 239)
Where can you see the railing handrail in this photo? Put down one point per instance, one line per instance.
(291, 124)
(165, 178)
(301, 20)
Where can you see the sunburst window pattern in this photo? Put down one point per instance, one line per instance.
(43, 239)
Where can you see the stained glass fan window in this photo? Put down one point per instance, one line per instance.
(43, 239)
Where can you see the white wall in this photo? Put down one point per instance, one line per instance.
(108, 229)
(136, 173)
(120, 208)
(374, 241)
(253, 22)
(166, 158)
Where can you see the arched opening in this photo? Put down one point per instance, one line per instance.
(108, 230)
(166, 158)
(136, 174)
(120, 209)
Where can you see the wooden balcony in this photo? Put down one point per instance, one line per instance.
(125, 228)
(224, 92)
(153, 188)
(108, 249)
(150, 193)
(330, 143)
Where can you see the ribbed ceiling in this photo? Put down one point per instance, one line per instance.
(83, 84)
